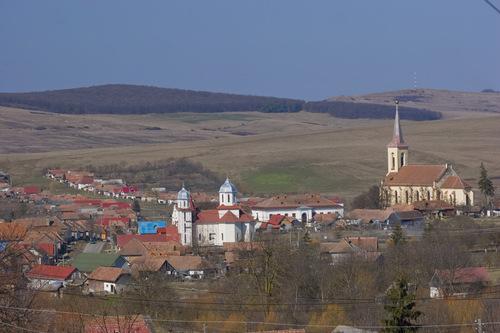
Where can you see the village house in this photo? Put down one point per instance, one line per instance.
(109, 280)
(388, 217)
(186, 267)
(301, 207)
(408, 183)
(144, 266)
(150, 227)
(459, 282)
(88, 262)
(52, 278)
(366, 247)
(279, 223)
(138, 248)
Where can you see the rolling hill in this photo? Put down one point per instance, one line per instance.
(131, 99)
(445, 101)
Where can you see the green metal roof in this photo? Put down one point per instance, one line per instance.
(87, 262)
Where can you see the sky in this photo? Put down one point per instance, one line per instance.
(309, 49)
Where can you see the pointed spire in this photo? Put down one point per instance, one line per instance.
(397, 135)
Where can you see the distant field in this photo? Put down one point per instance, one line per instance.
(450, 103)
(292, 152)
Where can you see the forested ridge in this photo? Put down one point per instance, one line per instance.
(134, 99)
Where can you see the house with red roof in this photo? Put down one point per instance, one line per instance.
(459, 282)
(48, 277)
(302, 207)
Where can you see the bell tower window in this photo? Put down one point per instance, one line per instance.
(402, 159)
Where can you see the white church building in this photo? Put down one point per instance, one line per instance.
(226, 223)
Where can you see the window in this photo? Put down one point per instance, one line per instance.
(294, 215)
(222, 236)
(402, 159)
(429, 195)
(286, 214)
(393, 164)
(228, 198)
(407, 197)
(395, 196)
(199, 237)
(211, 236)
(185, 239)
(418, 196)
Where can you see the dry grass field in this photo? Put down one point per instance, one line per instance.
(450, 103)
(263, 153)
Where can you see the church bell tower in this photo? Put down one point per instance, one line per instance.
(397, 149)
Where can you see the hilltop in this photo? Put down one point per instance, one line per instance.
(445, 101)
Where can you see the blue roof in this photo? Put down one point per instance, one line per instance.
(149, 227)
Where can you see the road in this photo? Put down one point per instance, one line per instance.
(93, 248)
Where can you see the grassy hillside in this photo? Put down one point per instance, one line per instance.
(292, 152)
(445, 101)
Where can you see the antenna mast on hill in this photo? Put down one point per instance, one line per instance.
(415, 80)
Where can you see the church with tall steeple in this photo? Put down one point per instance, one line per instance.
(407, 183)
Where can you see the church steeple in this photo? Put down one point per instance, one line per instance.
(397, 149)
(397, 134)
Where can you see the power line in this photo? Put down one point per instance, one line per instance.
(492, 6)
(19, 327)
(249, 322)
(331, 301)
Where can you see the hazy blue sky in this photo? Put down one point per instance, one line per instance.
(307, 49)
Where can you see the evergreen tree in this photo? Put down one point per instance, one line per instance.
(398, 236)
(485, 184)
(401, 315)
(136, 206)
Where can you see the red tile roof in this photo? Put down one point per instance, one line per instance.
(121, 240)
(31, 190)
(48, 272)
(47, 248)
(106, 274)
(465, 275)
(416, 175)
(106, 221)
(293, 201)
(212, 216)
(454, 182)
(118, 204)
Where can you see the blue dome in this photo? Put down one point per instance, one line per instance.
(183, 194)
(228, 187)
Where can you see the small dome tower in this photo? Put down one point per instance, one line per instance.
(183, 198)
(227, 194)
